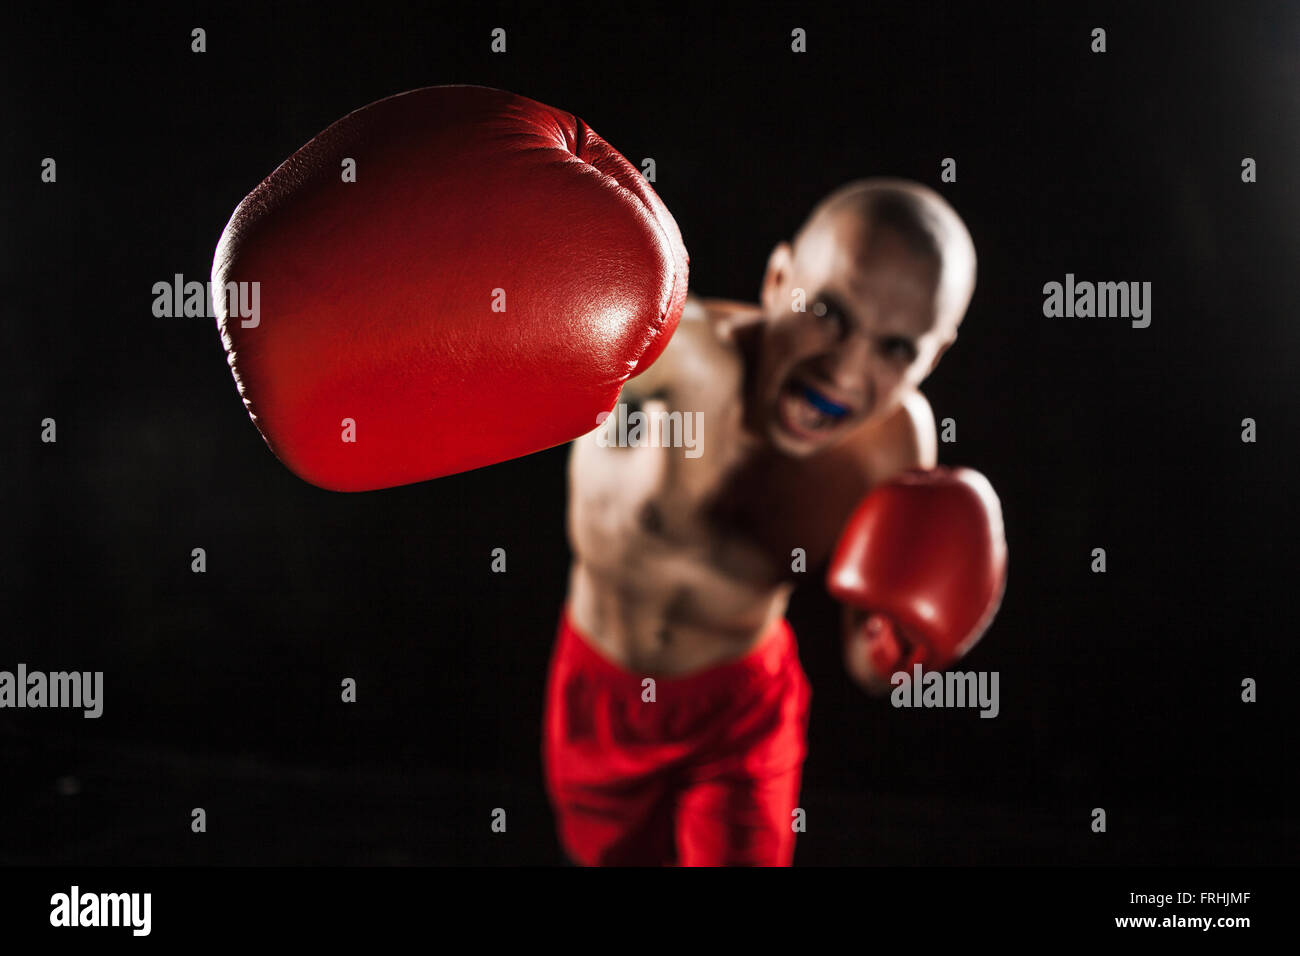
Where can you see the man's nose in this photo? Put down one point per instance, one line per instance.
(849, 366)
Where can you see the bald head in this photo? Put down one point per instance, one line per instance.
(865, 213)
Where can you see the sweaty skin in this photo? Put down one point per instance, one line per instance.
(685, 562)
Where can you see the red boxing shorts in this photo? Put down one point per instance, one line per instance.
(705, 775)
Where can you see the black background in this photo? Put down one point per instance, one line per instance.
(1119, 690)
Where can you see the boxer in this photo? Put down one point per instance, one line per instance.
(495, 280)
(683, 566)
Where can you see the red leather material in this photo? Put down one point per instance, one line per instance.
(376, 296)
(926, 551)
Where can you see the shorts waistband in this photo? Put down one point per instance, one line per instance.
(766, 659)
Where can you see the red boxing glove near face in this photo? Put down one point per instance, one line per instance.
(925, 555)
(481, 291)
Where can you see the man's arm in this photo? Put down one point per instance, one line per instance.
(903, 441)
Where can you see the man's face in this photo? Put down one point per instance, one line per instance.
(871, 330)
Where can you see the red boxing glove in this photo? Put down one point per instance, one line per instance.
(925, 555)
(481, 291)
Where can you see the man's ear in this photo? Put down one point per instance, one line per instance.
(939, 354)
(779, 264)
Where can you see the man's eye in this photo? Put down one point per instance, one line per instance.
(832, 317)
(896, 348)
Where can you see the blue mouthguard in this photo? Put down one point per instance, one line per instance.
(824, 404)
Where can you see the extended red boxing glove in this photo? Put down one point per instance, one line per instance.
(481, 291)
(924, 554)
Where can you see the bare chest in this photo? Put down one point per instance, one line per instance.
(725, 517)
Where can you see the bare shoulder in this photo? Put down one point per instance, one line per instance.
(725, 317)
(906, 439)
(702, 350)
(706, 337)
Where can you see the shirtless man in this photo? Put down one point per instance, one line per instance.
(683, 565)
